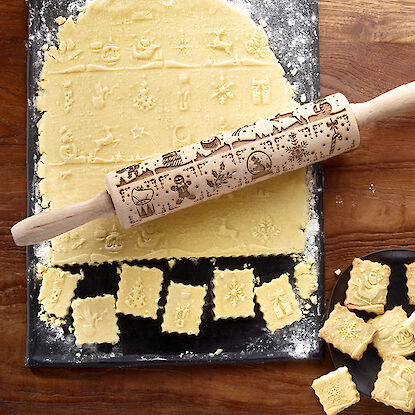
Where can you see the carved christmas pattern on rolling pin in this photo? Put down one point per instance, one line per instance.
(236, 158)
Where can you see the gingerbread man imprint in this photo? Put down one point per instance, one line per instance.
(181, 187)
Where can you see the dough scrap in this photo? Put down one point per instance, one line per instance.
(367, 286)
(347, 332)
(153, 78)
(94, 320)
(183, 310)
(139, 291)
(57, 291)
(277, 303)
(395, 384)
(392, 337)
(336, 391)
(305, 279)
(410, 282)
(233, 293)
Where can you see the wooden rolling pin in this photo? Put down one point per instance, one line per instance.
(210, 168)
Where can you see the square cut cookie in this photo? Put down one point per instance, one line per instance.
(139, 291)
(336, 391)
(277, 303)
(347, 332)
(392, 337)
(57, 291)
(94, 320)
(395, 385)
(183, 309)
(368, 286)
(410, 282)
(233, 293)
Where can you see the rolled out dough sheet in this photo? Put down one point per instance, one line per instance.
(132, 79)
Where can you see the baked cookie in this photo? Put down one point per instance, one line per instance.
(392, 337)
(336, 391)
(57, 290)
(94, 320)
(277, 303)
(395, 385)
(368, 286)
(347, 332)
(139, 291)
(410, 282)
(233, 293)
(183, 309)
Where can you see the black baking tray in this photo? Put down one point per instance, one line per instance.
(141, 341)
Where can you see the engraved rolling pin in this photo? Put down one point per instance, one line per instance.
(210, 168)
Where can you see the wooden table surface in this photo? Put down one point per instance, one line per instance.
(366, 47)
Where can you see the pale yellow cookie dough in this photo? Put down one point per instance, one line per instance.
(336, 391)
(94, 320)
(233, 293)
(305, 279)
(367, 286)
(395, 385)
(347, 332)
(409, 324)
(131, 80)
(410, 282)
(139, 291)
(57, 291)
(392, 337)
(183, 310)
(277, 303)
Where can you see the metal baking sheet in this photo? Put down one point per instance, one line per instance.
(292, 27)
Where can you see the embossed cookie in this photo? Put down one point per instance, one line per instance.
(139, 291)
(233, 293)
(392, 338)
(347, 332)
(336, 391)
(277, 303)
(94, 320)
(395, 385)
(183, 309)
(410, 282)
(368, 286)
(57, 291)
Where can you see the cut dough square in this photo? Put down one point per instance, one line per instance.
(144, 84)
(139, 291)
(57, 291)
(94, 320)
(410, 282)
(347, 332)
(184, 308)
(368, 286)
(233, 293)
(409, 324)
(305, 279)
(391, 337)
(336, 391)
(277, 303)
(395, 385)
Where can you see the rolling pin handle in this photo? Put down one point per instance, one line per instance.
(397, 101)
(48, 224)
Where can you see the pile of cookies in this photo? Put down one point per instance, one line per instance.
(392, 333)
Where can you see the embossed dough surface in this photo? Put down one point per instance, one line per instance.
(151, 79)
